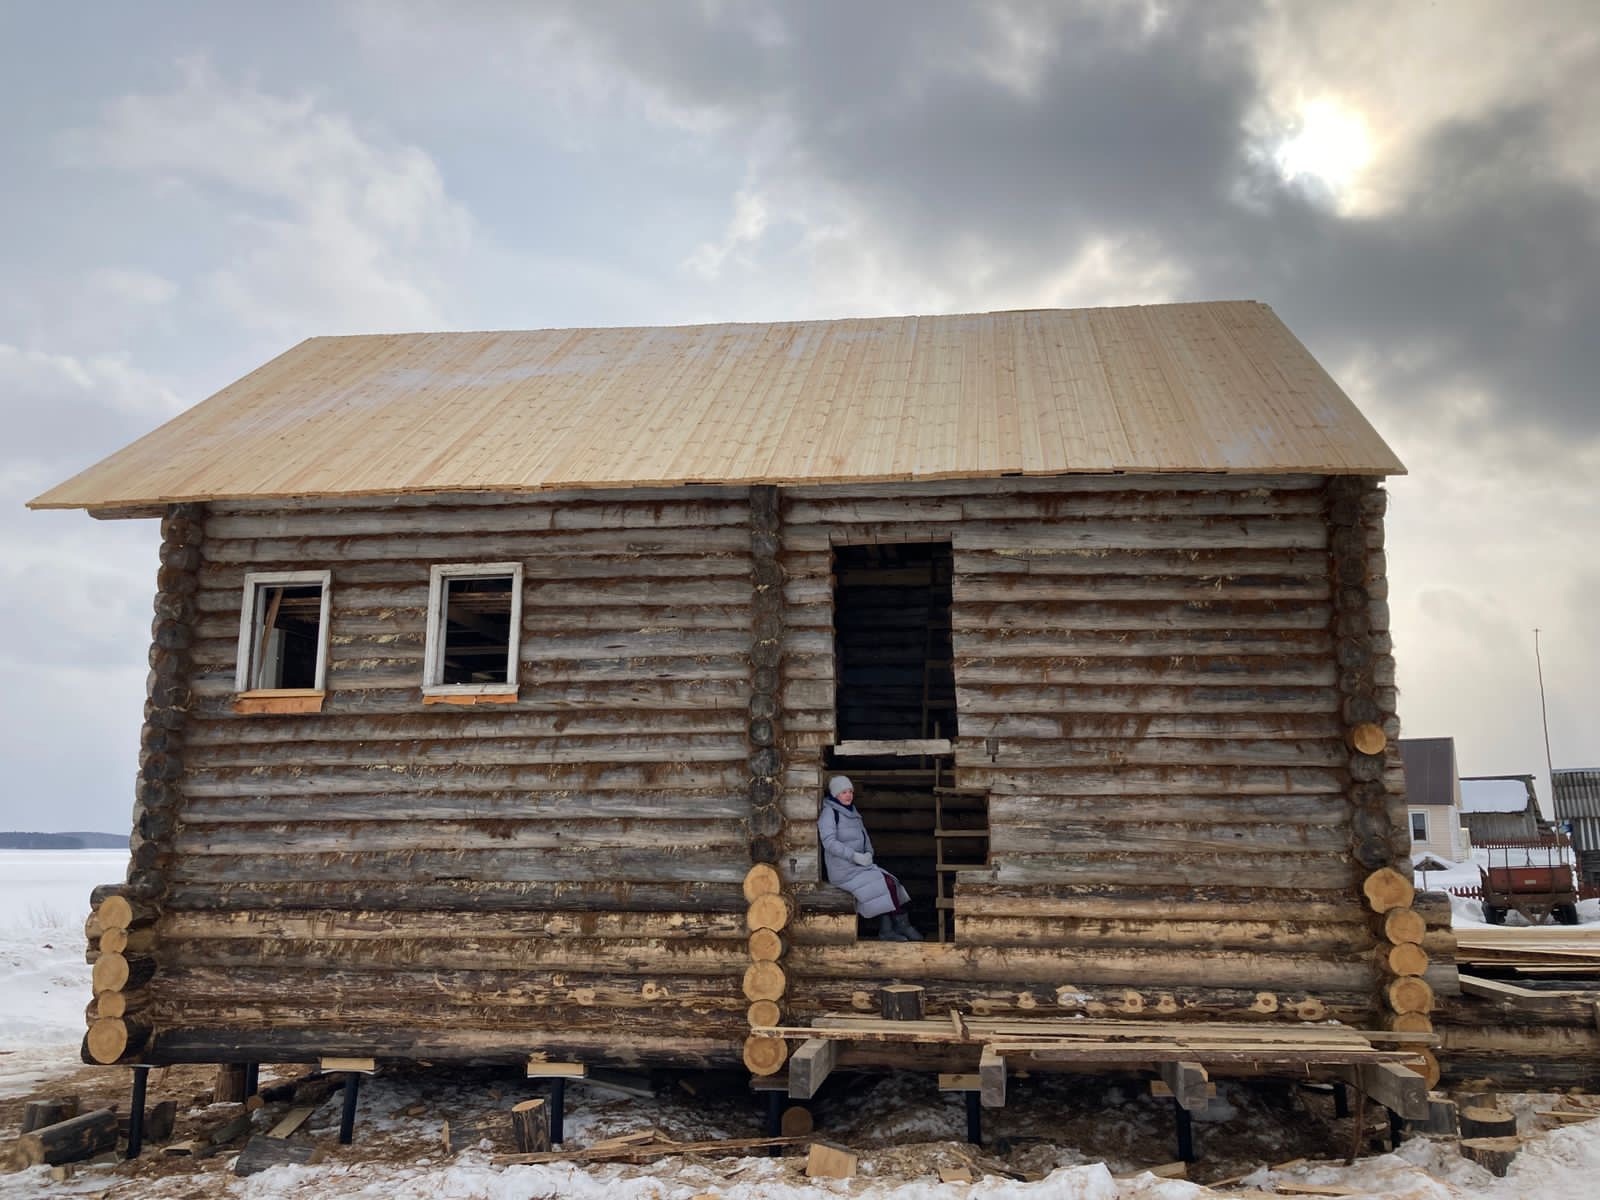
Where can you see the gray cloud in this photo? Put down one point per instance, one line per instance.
(939, 134)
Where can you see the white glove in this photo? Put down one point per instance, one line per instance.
(861, 858)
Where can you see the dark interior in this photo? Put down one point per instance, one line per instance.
(477, 630)
(891, 621)
(295, 613)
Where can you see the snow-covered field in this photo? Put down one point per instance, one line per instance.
(901, 1128)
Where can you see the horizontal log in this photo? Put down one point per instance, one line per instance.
(1191, 670)
(509, 752)
(509, 518)
(663, 864)
(646, 955)
(1053, 506)
(1150, 901)
(430, 806)
(1108, 533)
(1202, 562)
(1056, 965)
(558, 777)
(577, 835)
(1154, 697)
(1150, 750)
(1308, 808)
(478, 927)
(1064, 485)
(975, 642)
(286, 552)
(1323, 871)
(1105, 588)
(1164, 617)
(459, 895)
(293, 993)
(1177, 837)
(420, 725)
(1178, 930)
(1151, 781)
(469, 1047)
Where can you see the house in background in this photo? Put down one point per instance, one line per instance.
(1499, 808)
(1576, 792)
(1433, 798)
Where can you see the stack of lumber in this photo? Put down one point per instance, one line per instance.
(1543, 951)
(1528, 1037)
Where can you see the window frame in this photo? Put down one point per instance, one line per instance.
(434, 690)
(250, 700)
(1414, 815)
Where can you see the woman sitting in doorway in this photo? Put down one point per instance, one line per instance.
(847, 851)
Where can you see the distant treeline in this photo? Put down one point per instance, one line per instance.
(11, 839)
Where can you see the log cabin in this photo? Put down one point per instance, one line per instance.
(496, 678)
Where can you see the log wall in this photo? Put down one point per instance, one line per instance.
(478, 881)
(1147, 686)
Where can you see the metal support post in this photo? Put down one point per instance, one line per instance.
(141, 1079)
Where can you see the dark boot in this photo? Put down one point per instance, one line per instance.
(887, 932)
(904, 927)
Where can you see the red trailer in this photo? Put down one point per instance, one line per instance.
(1533, 877)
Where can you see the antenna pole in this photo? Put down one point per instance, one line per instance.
(1544, 713)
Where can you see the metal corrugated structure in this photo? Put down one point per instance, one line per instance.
(1206, 387)
(1577, 800)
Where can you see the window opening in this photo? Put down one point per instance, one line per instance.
(283, 635)
(1419, 827)
(474, 615)
(892, 642)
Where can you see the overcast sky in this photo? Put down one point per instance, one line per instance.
(189, 189)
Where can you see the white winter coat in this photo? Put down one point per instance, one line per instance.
(842, 834)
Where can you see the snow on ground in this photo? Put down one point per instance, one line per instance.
(902, 1128)
(44, 982)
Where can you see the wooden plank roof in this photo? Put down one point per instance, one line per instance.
(1220, 386)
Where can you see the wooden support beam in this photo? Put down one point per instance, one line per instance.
(362, 1066)
(810, 1065)
(1188, 1083)
(992, 1078)
(540, 1069)
(1396, 1088)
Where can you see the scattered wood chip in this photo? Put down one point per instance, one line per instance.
(1286, 1188)
(830, 1162)
(956, 1175)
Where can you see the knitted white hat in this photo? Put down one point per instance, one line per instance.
(838, 785)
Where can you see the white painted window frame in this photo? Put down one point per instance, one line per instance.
(1413, 815)
(433, 653)
(254, 581)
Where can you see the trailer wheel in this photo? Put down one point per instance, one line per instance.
(1493, 915)
(1565, 914)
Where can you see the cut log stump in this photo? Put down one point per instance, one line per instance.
(901, 1002)
(1493, 1154)
(1478, 1121)
(530, 1126)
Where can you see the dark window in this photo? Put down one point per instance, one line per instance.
(477, 630)
(285, 637)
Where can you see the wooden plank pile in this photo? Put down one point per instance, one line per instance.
(1541, 952)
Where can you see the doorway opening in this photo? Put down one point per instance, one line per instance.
(894, 668)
